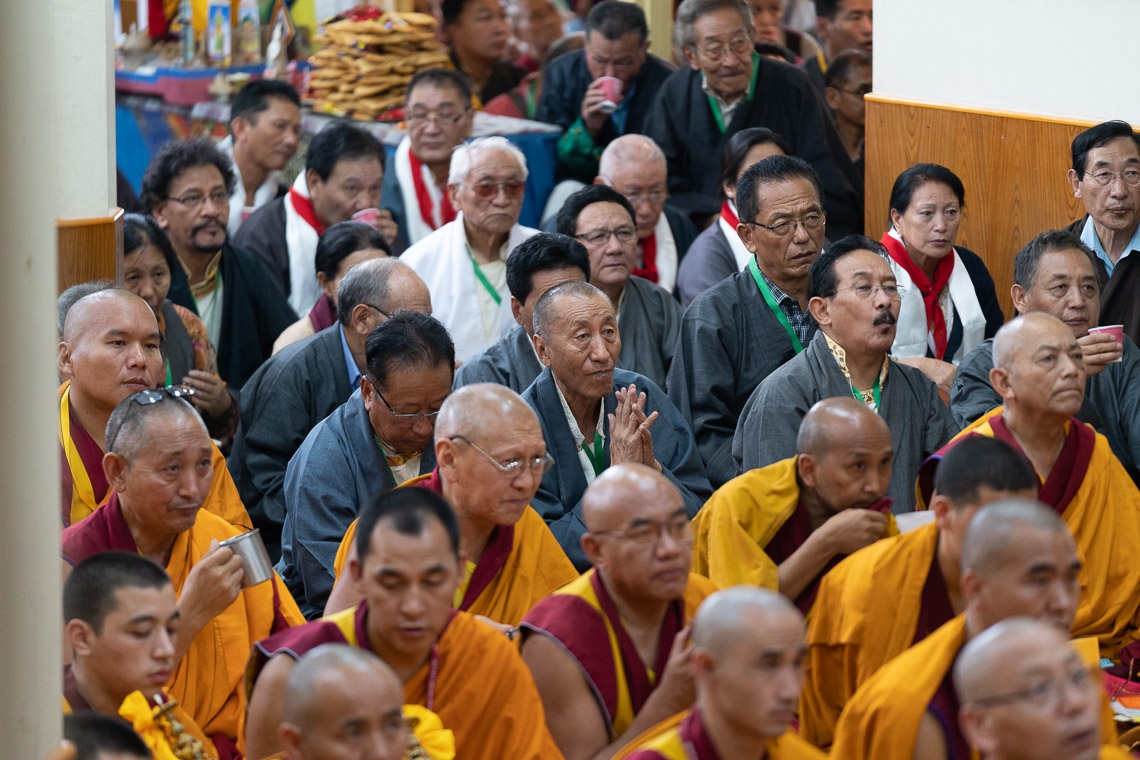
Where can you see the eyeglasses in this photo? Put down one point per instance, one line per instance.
(1105, 177)
(650, 531)
(1043, 694)
(515, 467)
(487, 190)
(867, 292)
(624, 234)
(195, 200)
(858, 91)
(382, 313)
(812, 221)
(738, 46)
(446, 118)
(148, 398)
(410, 419)
(656, 197)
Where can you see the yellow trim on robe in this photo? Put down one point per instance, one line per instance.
(865, 614)
(665, 739)
(741, 518)
(135, 702)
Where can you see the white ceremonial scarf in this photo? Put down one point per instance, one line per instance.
(261, 196)
(912, 336)
(301, 239)
(443, 261)
(666, 254)
(739, 252)
(415, 227)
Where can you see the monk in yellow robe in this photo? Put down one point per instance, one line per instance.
(1027, 696)
(463, 670)
(748, 648)
(121, 624)
(609, 651)
(1039, 373)
(785, 525)
(1018, 560)
(110, 349)
(491, 456)
(159, 466)
(893, 594)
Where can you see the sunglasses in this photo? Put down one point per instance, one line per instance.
(147, 398)
(487, 190)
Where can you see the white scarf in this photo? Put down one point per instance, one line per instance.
(912, 336)
(666, 254)
(261, 196)
(443, 261)
(301, 240)
(414, 225)
(739, 252)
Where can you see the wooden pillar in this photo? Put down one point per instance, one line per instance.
(659, 14)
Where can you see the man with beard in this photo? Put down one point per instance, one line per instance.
(855, 302)
(187, 188)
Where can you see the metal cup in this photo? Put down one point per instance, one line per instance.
(255, 563)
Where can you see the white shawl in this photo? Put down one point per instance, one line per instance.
(415, 227)
(261, 196)
(443, 261)
(666, 254)
(739, 252)
(301, 239)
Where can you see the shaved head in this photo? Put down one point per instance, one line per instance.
(993, 528)
(834, 421)
(483, 409)
(976, 666)
(85, 312)
(133, 427)
(629, 148)
(720, 621)
(622, 493)
(1021, 333)
(330, 665)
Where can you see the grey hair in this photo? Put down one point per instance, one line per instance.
(630, 148)
(544, 315)
(464, 155)
(73, 295)
(691, 10)
(367, 283)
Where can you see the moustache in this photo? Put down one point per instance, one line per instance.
(206, 223)
(885, 318)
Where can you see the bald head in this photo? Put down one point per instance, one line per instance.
(1038, 368)
(729, 616)
(622, 493)
(629, 149)
(992, 530)
(834, 421)
(118, 304)
(975, 672)
(336, 691)
(485, 409)
(1024, 333)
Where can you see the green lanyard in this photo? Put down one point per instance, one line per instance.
(772, 305)
(169, 379)
(876, 394)
(597, 456)
(498, 299)
(530, 101)
(751, 89)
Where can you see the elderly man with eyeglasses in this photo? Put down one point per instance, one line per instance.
(491, 457)
(159, 464)
(726, 87)
(854, 299)
(378, 439)
(610, 652)
(464, 262)
(605, 222)
(439, 117)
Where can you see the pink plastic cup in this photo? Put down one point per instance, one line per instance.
(367, 215)
(1116, 331)
(611, 87)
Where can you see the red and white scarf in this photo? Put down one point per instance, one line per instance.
(426, 207)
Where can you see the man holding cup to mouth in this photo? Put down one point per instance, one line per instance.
(603, 91)
(159, 464)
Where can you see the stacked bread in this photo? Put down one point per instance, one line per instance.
(365, 64)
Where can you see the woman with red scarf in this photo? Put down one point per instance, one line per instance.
(949, 305)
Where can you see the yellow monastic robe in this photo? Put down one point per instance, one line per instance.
(682, 737)
(137, 711)
(533, 567)
(1104, 518)
(223, 498)
(865, 614)
(739, 520)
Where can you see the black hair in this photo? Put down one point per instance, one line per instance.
(339, 142)
(140, 230)
(827, 8)
(843, 66)
(96, 736)
(980, 462)
(341, 241)
(737, 147)
(407, 509)
(443, 78)
(89, 591)
(769, 171)
(615, 20)
(772, 50)
(921, 174)
(567, 220)
(177, 157)
(822, 281)
(254, 97)
(407, 338)
(1097, 137)
(1028, 259)
(544, 252)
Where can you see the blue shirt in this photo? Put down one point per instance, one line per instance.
(1092, 240)
(353, 373)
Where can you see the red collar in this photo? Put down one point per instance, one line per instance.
(304, 208)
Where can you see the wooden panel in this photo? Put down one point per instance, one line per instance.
(1013, 166)
(89, 249)
(659, 16)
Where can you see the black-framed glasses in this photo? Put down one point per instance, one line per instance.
(148, 398)
(812, 221)
(412, 419)
(1044, 693)
(441, 118)
(1104, 177)
(627, 233)
(195, 200)
(515, 467)
(650, 531)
